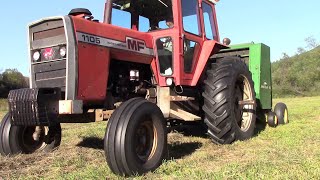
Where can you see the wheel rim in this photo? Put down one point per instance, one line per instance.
(275, 120)
(30, 142)
(285, 116)
(244, 103)
(146, 139)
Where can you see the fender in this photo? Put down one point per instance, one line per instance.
(209, 48)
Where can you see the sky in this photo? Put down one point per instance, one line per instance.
(281, 24)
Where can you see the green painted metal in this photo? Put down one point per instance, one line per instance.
(260, 67)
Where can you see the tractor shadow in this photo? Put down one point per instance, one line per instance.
(190, 129)
(91, 142)
(260, 126)
(181, 150)
(175, 150)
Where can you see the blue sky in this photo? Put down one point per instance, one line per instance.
(281, 24)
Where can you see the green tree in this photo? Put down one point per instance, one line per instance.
(11, 79)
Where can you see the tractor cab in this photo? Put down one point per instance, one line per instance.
(180, 30)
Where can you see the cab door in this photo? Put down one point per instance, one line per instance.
(191, 39)
(198, 26)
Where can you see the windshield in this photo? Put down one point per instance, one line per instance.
(148, 14)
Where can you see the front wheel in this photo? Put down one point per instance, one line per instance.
(136, 138)
(27, 139)
(229, 101)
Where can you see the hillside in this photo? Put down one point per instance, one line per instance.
(298, 75)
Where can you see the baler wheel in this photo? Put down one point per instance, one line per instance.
(281, 111)
(272, 119)
(229, 101)
(136, 138)
(27, 139)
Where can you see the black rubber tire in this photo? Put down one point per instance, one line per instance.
(281, 111)
(11, 139)
(272, 119)
(220, 101)
(120, 141)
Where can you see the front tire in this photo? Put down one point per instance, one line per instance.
(136, 138)
(229, 101)
(27, 139)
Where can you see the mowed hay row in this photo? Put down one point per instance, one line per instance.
(287, 152)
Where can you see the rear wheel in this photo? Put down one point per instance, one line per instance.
(272, 119)
(229, 101)
(281, 111)
(136, 138)
(27, 139)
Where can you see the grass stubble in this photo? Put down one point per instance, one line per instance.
(286, 152)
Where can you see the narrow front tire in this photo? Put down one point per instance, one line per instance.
(136, 138)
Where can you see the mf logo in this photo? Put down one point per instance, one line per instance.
(134, 44)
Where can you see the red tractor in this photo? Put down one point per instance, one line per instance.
(148, 64)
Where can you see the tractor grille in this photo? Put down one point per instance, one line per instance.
(48, 37)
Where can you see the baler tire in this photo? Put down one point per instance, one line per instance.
(223, 113)
(281, 111)
(272, 119)
(15, 139)
(136, 138)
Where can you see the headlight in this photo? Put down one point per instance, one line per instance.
(36, 56)
(63, 51)
(169, 81)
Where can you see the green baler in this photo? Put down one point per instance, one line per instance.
(257, 57)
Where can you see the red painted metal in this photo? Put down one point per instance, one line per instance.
(94, 60)
(93, 74)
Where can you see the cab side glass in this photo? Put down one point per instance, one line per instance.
(162, 25)
(208, 21)
(144, 24)
(125, 17)
(190, 16)
(190, 48)
(165, 55)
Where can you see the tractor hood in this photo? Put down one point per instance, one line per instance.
(124, 44)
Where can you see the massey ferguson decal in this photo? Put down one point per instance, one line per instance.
(48, 53)
(131, 44)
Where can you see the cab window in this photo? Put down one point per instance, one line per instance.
(144, 24)
(208, 21)
(124, 16)
(190, 16)
(152, 14)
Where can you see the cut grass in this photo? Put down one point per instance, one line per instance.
(3, 105)
(286, 152)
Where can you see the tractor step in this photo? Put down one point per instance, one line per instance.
(181, 98)
(178, 113)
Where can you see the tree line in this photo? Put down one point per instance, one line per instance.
(11, 79)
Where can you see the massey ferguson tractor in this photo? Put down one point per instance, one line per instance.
(148, 64)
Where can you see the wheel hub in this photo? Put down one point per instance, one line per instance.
(146, 140)
(32, 137)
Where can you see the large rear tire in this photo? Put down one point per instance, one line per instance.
(136, 138)
(229, 101)
(27, 139)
